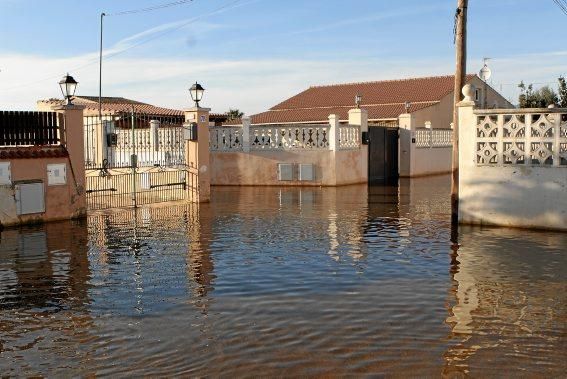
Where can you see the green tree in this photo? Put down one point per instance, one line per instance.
(540, 98)
(562, 92)
(234, 114)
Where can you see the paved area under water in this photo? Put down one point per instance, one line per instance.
(284, 281)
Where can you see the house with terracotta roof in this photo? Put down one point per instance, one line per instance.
(429, 98)
(405, 116)
(116, 105)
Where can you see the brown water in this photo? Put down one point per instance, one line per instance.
(286, 282)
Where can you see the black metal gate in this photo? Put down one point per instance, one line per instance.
(135, 159)
(382, 153)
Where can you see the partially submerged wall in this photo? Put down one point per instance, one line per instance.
(512, 165)
(261, 167)
(60, 201)
(331, 154)
(41, 182)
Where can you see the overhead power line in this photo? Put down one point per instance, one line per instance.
(149, 9)
(113, 54)
(562, 4)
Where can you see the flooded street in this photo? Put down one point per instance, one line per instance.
(284, 281)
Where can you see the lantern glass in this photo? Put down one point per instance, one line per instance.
(68, 86)
(196, 92)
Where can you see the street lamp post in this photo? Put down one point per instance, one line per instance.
(68, 86)
(358, 100)
(196, 92)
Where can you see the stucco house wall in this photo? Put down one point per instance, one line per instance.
(29, 163)
(62, 201)
(414, 161)
(332, 168)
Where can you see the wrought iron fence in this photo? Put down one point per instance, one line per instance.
(154, 141)
(24, 128)
(117, 189)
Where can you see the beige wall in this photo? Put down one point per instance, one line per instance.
(414, 161)
(260, 167)
(430, 161)
(63, 201)
(517, 195)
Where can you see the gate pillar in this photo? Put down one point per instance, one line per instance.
(406, 144)
(197, 155)
(359, 116)
(72, 137)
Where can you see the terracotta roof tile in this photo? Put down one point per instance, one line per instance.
(383, 99)
(120, 104)
(31, 152)
(322, 114)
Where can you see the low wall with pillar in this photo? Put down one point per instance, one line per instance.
(512, 166)
(290, 155)
(197, 155)
(424, 149)
(44, 182)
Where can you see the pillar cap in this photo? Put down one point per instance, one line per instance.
(197, 109)
(357, 110)
(465, 103)
(66, 107)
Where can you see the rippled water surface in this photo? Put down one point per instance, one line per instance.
(287, 282)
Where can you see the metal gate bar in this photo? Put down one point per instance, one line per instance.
(115, 190)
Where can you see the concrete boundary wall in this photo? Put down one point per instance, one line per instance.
(416, 158)
(56, 173)
(331, 168)
(500, 183)
(249, 156)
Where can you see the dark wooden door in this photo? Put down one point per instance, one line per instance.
(382, 154)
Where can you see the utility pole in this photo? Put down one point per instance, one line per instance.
(100, 72)
(460, 73)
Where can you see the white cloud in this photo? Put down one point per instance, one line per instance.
(252, 85)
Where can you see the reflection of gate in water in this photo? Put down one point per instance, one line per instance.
(133, 159)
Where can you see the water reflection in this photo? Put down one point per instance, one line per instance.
(509, 300)
(44, 282)
(264, 281)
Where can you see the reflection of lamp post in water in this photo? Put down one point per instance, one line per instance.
(485, 74)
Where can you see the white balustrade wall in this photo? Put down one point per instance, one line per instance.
(427, 138)
(283, 137)
(349, 137)
(521, 138)
(513, 166)
(225, 138)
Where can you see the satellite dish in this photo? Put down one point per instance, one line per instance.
(485, 72)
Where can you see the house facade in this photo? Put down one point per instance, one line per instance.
(420, 108)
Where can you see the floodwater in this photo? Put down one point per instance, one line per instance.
(285, 282)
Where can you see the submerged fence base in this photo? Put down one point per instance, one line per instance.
(118, 188)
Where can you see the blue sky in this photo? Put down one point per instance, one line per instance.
(251, 54)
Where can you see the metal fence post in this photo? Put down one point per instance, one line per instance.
(133, 161)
